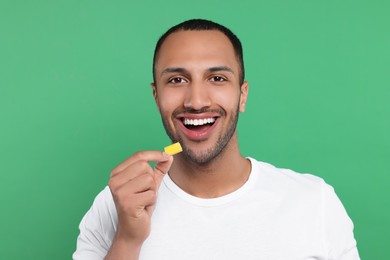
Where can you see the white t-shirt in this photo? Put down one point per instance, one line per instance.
(277, 214)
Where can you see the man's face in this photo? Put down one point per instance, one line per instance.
(197, 92)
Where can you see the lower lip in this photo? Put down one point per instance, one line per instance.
(198, 135)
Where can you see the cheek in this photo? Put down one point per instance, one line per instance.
(226, 98)
(169, 100)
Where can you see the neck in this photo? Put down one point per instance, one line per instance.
(222, 175)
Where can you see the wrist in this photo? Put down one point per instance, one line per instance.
(125, 249)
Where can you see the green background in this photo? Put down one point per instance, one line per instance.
(75, 101)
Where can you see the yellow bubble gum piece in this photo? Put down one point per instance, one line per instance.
(173, 149)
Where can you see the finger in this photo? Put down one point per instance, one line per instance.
(146, 199)
(161, 168)
(136, 169)
(139, 184)
(148, 156)
(147, 180)
(132, 203)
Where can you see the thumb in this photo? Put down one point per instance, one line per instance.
(162, 167)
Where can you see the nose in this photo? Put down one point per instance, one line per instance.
(197, 96)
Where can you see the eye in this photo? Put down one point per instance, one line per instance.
(176, 80)
(217, 79)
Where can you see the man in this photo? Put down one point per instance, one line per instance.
(210, 202)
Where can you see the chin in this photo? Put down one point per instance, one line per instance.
(204, 156)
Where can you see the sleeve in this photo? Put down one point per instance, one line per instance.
(338, 227)
(97, 228)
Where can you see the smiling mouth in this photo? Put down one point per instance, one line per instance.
(198, 124)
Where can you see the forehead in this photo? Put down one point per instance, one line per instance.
(186, 48)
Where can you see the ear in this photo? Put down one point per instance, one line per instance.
(244, 95)
(153, 85)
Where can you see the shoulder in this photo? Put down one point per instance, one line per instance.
(311, 198)
(97, 228)
(291, 184)
(105, 197)
(285, 178)
(104, 205)
(102, 216)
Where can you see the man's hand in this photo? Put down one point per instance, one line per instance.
(134, 185)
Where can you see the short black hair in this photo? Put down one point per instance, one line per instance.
(204, 25)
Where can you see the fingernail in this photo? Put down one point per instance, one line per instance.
(165, 156)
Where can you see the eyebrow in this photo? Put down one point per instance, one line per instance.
(209, 70)
(174, 70)
(220, 68)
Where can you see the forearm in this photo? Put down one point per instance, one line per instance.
(122, 250)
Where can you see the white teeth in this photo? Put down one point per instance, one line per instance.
(203, 121)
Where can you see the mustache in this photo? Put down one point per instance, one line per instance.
(198, 111)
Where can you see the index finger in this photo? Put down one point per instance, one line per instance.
(148, 156)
